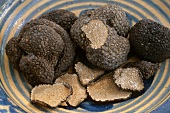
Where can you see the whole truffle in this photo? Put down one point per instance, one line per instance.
(150, 40)
(68, 53)
(104, 45)
(62, 17)
(147, 69)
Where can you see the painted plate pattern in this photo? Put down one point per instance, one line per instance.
(18, 12)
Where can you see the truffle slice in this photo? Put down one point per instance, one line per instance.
(87, 75)
(147, 69)
(105, 89)
(79, 92)
(50, 95)
(129, 78)
(62, 17)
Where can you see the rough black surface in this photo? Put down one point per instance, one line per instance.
(150, 40)
(37, 70)
(14, 52)
(69, 50)
(44, 42)
(62, 17)
(111, 55)
(115, 49)
(147, 69)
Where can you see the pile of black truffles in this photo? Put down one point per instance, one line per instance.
(68, 59)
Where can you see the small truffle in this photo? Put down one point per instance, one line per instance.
(50, 95)
(129, 78)
(150, 40)
(147, 69)
(79, 92)
(62, 17)
(105, 89)
(87, 75)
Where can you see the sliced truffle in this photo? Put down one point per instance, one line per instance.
(105, 89)
(104, 45)
(62, 17)
(147, 69)
(13, 51)
(79, 92)
(69, 50)
(150, 40)
(50, 95)
(87, 75)
(129, 78)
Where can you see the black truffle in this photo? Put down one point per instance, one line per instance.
(150, 40)
(62, 17)
(68, 53)
(103, 43)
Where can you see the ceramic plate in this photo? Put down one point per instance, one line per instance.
(17, 12)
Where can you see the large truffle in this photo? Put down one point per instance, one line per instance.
(46, 40)
(100, 35)
(69, 50)
(50, 95)
(129, 78)
(105, 89)
(150, 40)
(147, 69)
(79, 92)
(86, 74)
(62, 17)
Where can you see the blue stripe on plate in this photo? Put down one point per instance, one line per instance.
(163, 14)
(11, 10)
(165, 3)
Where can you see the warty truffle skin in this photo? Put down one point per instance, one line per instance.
(62, 17)
(105, 46)
(150, 40)
(111, 55)
(69, 50)
(66, 56)
(13, 51)
(36, 70)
